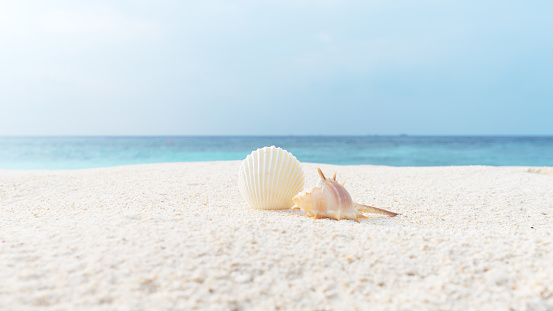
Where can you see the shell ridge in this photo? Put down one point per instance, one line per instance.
(319, 201)
(267, 169)
(297, 186)
(279, 197)
(267, 174)
(294, 172)
(273, 176)
(339, 197)
(273, 169)
(289, 169)
(257, 175)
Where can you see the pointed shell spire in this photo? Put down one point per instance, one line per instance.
(329, 199)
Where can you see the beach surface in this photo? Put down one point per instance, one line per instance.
(179, 236)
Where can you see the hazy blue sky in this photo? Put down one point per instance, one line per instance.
(276, 67)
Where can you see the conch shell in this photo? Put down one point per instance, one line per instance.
(329, 199)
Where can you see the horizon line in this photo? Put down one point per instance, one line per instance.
(273, 135)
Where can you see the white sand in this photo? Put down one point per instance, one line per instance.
(179, 237)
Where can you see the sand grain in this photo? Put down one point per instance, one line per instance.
(179, 237)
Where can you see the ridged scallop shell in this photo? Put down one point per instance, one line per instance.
(269, 178)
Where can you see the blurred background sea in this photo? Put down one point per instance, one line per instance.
(91, 152)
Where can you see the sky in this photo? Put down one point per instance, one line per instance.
(286, 67)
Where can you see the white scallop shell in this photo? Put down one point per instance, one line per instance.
(269, 178)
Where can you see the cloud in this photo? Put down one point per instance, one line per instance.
(303, 55)
(324, 37)
(322, 3)
(98, 20)
(219, 6)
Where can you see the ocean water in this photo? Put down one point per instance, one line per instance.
(92, 152)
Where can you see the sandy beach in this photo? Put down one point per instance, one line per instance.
(179, 237)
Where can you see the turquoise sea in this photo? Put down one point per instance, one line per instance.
(91, 152)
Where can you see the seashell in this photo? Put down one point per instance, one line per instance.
(329, 199)
(269, 178)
